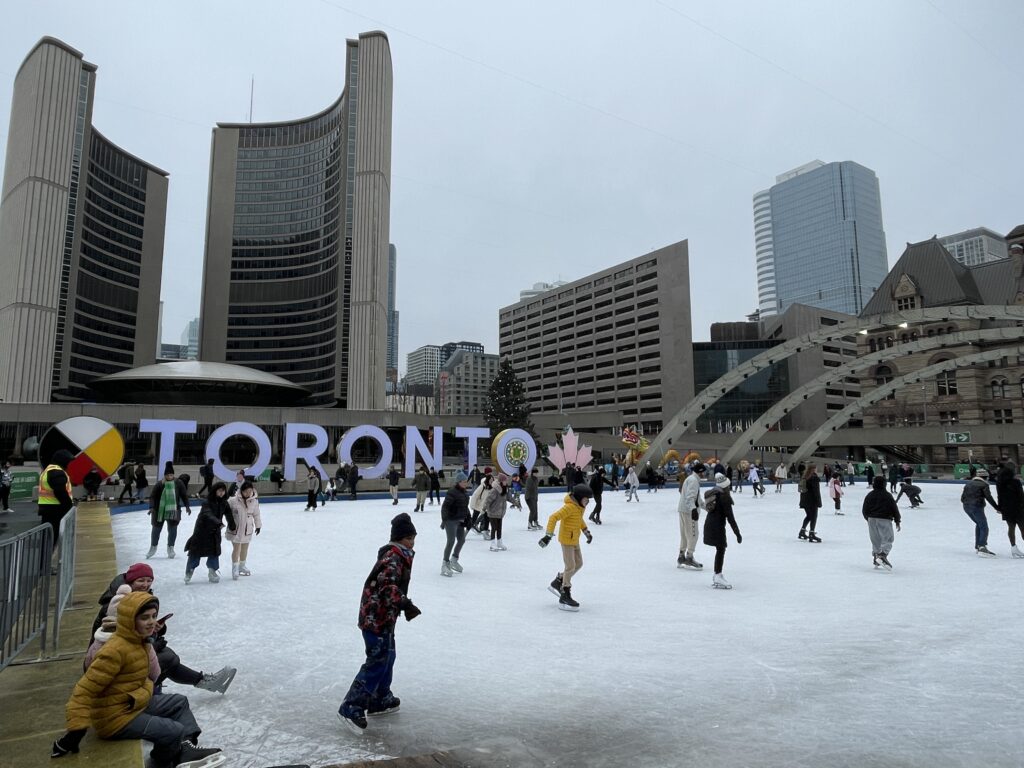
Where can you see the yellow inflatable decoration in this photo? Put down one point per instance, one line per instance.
(673, 454)
(636, 445)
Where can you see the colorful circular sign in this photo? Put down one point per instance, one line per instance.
(93, 443)
(512, 447)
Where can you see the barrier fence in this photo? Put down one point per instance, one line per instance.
(66, 552)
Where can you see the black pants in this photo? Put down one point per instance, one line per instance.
(532, 504)
(435, 495)
(172, 669)
(595, 515)
(126, 490)
(5, 497)
(311, 499)
(719, 559)
(207, 485)
(810, 516)
(495, 526)
(1012, 524)
(52, 514)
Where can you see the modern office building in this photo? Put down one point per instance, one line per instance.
(392, 355)
(81, 238)
(190, 339)
(449, 349)
(738, 409)
(296, 274)
(424, 364)
(819, 238)
(618, 339)
(463, 382)
(975, 246)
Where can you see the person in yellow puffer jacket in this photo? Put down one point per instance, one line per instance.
(115, 695)
(570, 518)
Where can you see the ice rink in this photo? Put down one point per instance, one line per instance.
(813, 659)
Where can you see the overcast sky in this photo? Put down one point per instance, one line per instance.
(543, 140)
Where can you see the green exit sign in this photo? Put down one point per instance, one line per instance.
(957, 438)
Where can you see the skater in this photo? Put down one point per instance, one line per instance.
(141, 481)
(894, 476)
(691, 502)
(206, 473)
(115, 696)
(55, 492)
(531, 494)
(835, 491)
(973, 498)
(455, 521)
(1010, 496)
(780, 475)
(880, 511)
(139, 578)
(569, 519)
(476, 505)
(205, 539)
(127, 476)
(421, 484)
(632, 485)
(597, 483)
(718, 503)
(515, 492)
(384, 597)
(755, 480)
(913, 493)
(165, 503)
(393, 485)
(245, 507)
(810, 503)
(435, 486)
(495, 505)
(353, 479)
(236, 483)
(313, 487)
(869, 473)
(651, 478)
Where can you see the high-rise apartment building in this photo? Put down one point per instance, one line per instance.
(81, 238)
(296, 275)
(819, 238)
(422, 365)
(975, 246)
(190, 339)
(620, 338)
(463, 382)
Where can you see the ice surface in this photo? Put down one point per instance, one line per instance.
(813, 659)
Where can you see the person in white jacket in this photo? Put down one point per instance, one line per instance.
(781, 472)
(691, 502)
(632, 485)
(755, 480)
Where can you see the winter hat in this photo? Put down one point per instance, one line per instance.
(722, 481)
(699, 469)
(461, 477)
(487, 470)
(168, 469)
(580, 492)
(502, 478)
(62, 458)
(137, 571)
(115, 601)
(401, 527)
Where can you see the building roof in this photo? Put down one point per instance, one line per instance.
(1016, 232)
(197, 382)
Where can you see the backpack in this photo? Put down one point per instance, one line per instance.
(710, 500)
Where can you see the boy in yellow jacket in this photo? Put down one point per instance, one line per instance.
(571, 518)
(115, 696)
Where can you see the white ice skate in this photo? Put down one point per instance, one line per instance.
(455, 565)
(170, 552)
(188, 576)
(446, 569)
(151, 552)
(719, 582)
(242, 570)
(1014, 552)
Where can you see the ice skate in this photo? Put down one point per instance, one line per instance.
(218, 682)
(494, 546)
(188, 575)
(501, 546)
(565, 601)
(242, 570)
(213, 575)
(802, 534)
(455, 565)
(813, 538)
(681, 560)
(719, 582)
(170, 552)
(885, 561)
(355, 723)
(151, 552)
(874, 560)
(555, 587)
(194, 756)
(388, 706)
(1014, 552)
(984, 551)
(694, 564)
(234, 571)
(446, 569)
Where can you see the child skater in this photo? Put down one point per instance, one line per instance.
(632, 485)
(719, 510)
(570, 517)
(835, 491)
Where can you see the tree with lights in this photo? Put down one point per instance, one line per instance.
(506, 405)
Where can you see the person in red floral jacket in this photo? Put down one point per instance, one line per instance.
(384, 598)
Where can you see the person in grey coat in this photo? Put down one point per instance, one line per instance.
(495, 505)
(531, 494)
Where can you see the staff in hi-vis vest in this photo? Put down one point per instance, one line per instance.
(55, 499)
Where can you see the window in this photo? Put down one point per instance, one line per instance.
(1002, 416)
(908, 302)
(946, 383)
(883, 375)
(952, 454)
(949, 418)
(887, 420)
(998, 389)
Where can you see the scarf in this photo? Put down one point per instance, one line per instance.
(168, 508)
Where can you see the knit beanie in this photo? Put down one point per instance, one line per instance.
(137, 571)
(582, 491)
(401, 527)
(502, 478)
(168, 469)
(115, 601)
(461, 477)
(722, 481)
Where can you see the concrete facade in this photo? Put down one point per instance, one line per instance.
(81, 238)
(422, 365)
(619, 338)
(296, 269)
(463, 382)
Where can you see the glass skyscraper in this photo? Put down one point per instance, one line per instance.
(820, 240)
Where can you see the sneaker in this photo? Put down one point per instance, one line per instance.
(389, 706)
(456, 566)
(565, 601)
(151, 552)
(446, 569)
(355, 722)
(555, 587)
(719, 582)
(802, 534)
(194, 756)
(983, 551)
(188, 576)
(885, 561)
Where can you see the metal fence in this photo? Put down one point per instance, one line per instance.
(25, 584)
(66, 551)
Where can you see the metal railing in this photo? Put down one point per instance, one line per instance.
(25, 585)
(66, 551)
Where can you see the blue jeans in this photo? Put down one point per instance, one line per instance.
(166, 721)
(977, 514)
(371, 687)
(211, 562)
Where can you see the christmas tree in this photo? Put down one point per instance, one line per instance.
(506, 405)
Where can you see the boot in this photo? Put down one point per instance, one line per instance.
(565, 601)
(151, 552)
(188, 575)
(218, 682)
(242, 570)
(194, 756)
(984, 551)
(213, 575)
(234, 571)
(446, 569)
(454, 563)
(170, 552)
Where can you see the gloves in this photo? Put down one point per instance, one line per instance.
(589, 535)
(739, 538)
(897, 526)
(258, 531)
(695, 515)
(67, 743)
(442, 525)
(545, 540)
(410, 610)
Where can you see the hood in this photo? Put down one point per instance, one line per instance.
(979, 481)
(129, 608)
(569, 500)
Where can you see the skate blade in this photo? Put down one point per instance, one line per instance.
(385, 713)
(554, 591)
(207, 762)
(688, 567)
(721, 586)
(351, 726)
(568, 608)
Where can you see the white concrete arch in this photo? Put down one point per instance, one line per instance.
(813, 442)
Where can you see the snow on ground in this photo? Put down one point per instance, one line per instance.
(813, 659)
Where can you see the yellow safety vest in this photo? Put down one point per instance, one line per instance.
(46, 495)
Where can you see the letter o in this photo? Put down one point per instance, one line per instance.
(244, 428)
(374, 433)
(510, 445)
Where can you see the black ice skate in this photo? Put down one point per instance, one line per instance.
(555, 587)
(802, 534)
(355, 723)
(885, 561)
(194, 756)
(565, 601)
(875, 561)
(389, 706)
(812, 537)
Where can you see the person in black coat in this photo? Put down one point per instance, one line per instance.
(435, 486)
(206, 473)
(880, 512)
(597, 483)
(719, 504)
(206, 536)
(353, 479)
(1010, 498)
(455, 521)
(810, 502)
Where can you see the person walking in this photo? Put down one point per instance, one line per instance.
(691, 502)
(973, 498)
(55, 493)
(206, 536)
(421, 484)
(435, 487)
(165, 503)
(1010, 495)
(455, 521)
(810, 503)
(597, 483)
(569, 519)
(495, 505)
(393, 479)
(531, 493)
(632, 485)
(835, 491)
(385, 596)
(127, 476)
(313, 488)
(245, 507)
(719, 505)
(206, 473)
(880, 511)
(780, 475)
